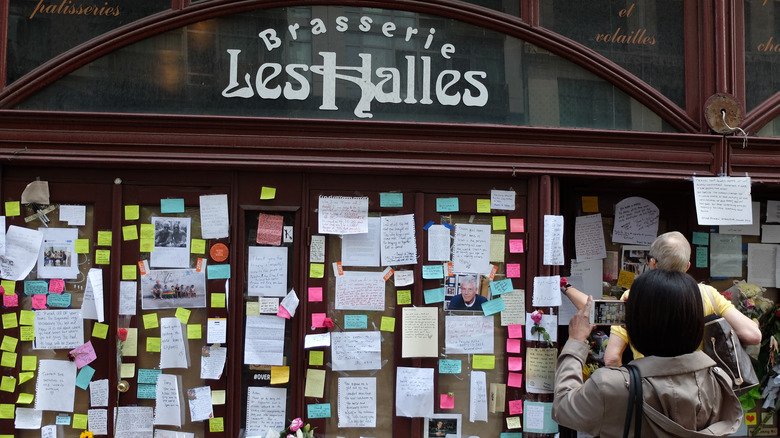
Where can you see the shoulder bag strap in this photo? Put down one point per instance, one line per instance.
(712, 299)
(635, 402)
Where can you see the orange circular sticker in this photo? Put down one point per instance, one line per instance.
(219, 252)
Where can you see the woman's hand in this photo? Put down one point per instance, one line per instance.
(580, 326)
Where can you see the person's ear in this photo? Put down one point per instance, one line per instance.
(688, 267)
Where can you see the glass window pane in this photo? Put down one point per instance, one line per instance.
(762, 47)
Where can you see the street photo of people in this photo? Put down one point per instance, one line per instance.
(173, 288)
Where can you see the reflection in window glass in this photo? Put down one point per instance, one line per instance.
(762, 51)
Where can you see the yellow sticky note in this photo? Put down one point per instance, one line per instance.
(317, 270)
(26, 333)
(315, 383)
(216, 424)
(132, 212)
(100, 330)
(316, 357)
(404, 296)
(218, 396)
(483, 205)
(105, 238)
(29, 363)
(26, 376)
(151, 321)
(499, 223)
(130, 346)
(153, 344)
(81, 246)
(13, 208)
(147, 231)
(252, 308)
(194, 331)
(129, 232)
(388, 324)
(9, 321)
(8, 384)
(26, 317)
(483, 362)
(7, 410)
(80, 421)
(8, 359)
(9, 286)
(198, 246)
(590, 204)
(9, 343)
(146, 244)
(129, 272)
(218, 300)
(514, 423)
(25, 398)
(102, 257)
(127, 371)
(625, 279)
(183, 314)
(280, 375)
(268, 193)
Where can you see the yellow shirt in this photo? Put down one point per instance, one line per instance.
(724, 306)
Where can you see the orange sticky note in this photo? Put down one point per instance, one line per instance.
(590, 204)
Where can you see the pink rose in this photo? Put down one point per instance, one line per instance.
(296, 424)
(536, 317)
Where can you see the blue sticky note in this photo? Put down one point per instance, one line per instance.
(172, 205)
(84, 377)
(701, 257)
(58, 300)
(701, 238)
(216, 272)
(434, 295)
(395, 200)
(320, 410)
(493, 306)
(35, 287)
(355, 321)
(531, 424)
(501, 286)
(444, 205)
(432, 272)
(449, 366)
(511, 435)
(148, 376)
(62, 420)
(147, 391)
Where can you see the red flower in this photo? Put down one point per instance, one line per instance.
(122, 334)
(327, 322)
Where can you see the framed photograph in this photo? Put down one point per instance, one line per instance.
(171, 242)
(633, 258)
(476, 289)
(442, 425)
(173, 288)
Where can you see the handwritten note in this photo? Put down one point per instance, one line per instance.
(414, 392)
(439, 243)
(502, 200)
(357, 402)
(468, 334)
(56, 386)
(352, 351)
(589, 238)
(398, 245)
(264, 340)
(636, 221)
(478, 397)
(540, 370)
(268, 406)
(360, 291)
(55, 329)
(168, 408)
(553, 240)
(420, 332)
(342, 215)
(547, 291)
(267, 271)
(471, 249)
(723, 200)
(214, 222)
(173, 351)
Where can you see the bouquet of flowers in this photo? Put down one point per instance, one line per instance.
(749, 299)
(296, 429)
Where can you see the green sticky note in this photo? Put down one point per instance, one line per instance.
(132, 212)
(147, 231)
(183, 314)
(700, 238)
(35, 287)
(217, 424)
(267, 193)
(8, 384)
(81, 246)
(493, 306)
(218, 300)
(194, 331)
(146, 244)
(701, 257)
(80, 421)
(9, 286)
(432, 272)
(483, 362)
(29, 363)
(316, 357)
(129, 232)
(153, 344)
(499, 223)
(26, 376)
(317, 270)
(150, 321)
(446, 205)
(198, 246)
(27, 333)
(9, 343)
(8, 359)
(102, 257)
(129, 272)
(483, 205)
(13, 208)
(100, 330)
(175, 205)
(434, 295)
(26, 317)
(105, 238)
(388, 324)
(404, 296)
(6, 410)
(25, 398)
(391, 200)
(9, 321)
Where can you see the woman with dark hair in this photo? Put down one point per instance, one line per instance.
(685, 394)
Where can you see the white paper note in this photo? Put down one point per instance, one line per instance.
(549, 323)
(362, 249)
(773, 211)
(49, 431)
(133, 421)
(317, 249)
(553, 240)
(98, 393)
(168, 409)
(21, 252)
(74, 215)
(403, 278)
(268, 407)
(216, 330)
(502, 200)
(264, 340)
(200, 403)
(212, 362)
(342, 215)
(414, 392)
(725, 255)
(28, 418)
(357, 402)
(128, 297)
(547, 291)
(761, 264)
(92, 305)
(58, 328)
(589, 238)
(267, 275)
(214, 222)
(172, 237)
(97, 421)
(723, 200)
(57, 257)
(471, 249)
(478, 399)
(55, 389)
(468, 334)
(398, 243)
(439, 242)
(358, 290)
(636, 221)
(173, 349)
(420, 332)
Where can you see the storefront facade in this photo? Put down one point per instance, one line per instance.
(296, 124)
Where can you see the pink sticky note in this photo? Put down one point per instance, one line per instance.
(11, 300)
(513, 270)
(516, 246)
(315, 294)
(516, 225)
(515, 407)
(447, 402)
(515, 380)
(515, 364)
(39, 302)
(515, 330)
(56, 285)
(513, 345)
(283, 312)
(83, 354)
(318, 319)
(269, 229)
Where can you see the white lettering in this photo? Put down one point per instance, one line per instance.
(388, 28)
(270, 39)
(318, 27)
(365, 24)
(441, 90)
(245, 92)
(301, 93)
(480, 99)
(447, 50)
(293, 29)
(341, 24)
(261, 82)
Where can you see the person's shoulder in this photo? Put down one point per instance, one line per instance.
(481, 299)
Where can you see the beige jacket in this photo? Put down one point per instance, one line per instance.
(685, 396)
